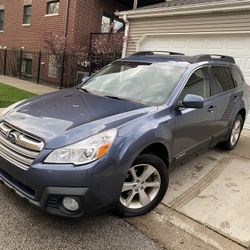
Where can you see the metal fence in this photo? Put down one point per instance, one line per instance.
(42, 67)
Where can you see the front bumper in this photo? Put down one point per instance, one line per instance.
(96, 185)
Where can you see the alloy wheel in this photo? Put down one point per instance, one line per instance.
(235, 132)
(141, 186)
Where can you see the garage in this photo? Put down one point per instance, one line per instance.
(237, 46)
(192, 27)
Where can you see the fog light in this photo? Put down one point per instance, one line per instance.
(70, 204)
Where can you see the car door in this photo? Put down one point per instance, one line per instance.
(193, 126)
(227, 98)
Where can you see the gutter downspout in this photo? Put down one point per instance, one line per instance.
(126, 34)
(67, 20)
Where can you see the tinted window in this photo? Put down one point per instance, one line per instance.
(223, 77)
(237, 77)
(198, 84)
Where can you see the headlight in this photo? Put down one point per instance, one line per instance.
(84, 151)
(8, 109)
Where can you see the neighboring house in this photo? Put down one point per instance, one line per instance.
(23, 22)
(192, 27)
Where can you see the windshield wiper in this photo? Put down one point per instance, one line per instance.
(85, 90)
(115, 97)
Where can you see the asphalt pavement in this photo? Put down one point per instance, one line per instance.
(25, 227)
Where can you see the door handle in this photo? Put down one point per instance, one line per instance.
(211, 109)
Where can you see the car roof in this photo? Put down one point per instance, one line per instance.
(177, 58)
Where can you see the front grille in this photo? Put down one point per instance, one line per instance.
(53, 201)
(18, 148)
(18, 185)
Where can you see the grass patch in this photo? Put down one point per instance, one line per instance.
(10, 95)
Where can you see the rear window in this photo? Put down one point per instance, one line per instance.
(237, 77)
(223, 77)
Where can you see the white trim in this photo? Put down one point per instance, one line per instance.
(126, 36)
(225, 6)
(26, 24)
(55, 14)
(186, 33)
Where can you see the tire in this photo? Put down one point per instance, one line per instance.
(235, 133)
(138, 184)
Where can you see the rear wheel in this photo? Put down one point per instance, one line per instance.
(144, 187)
(235, 133)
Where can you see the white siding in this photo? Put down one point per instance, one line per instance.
(216, 22)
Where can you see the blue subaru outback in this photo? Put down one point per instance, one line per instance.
(111, 142)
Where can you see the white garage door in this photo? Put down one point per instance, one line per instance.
(236, 45)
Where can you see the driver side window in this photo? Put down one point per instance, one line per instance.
(198, 84)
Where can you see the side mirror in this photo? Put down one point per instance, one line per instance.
(193, 101)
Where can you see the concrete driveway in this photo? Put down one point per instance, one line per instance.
(209, 199)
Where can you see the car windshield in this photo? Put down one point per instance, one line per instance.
(150, 84)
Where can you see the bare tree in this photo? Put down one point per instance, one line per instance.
(66, 55)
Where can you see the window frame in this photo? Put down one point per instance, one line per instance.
(47, 8)
(2, 12)
(25, 14)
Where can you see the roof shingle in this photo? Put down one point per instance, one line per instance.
(176, 3)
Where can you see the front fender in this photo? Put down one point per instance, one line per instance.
(136, 140)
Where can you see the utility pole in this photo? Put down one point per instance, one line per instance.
(135, 4)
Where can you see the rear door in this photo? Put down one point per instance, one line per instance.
(227, 97)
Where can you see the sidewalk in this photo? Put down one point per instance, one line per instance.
(32, 87)
(247, 124)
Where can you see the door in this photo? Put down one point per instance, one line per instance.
(236, 45)
(227, 98)
(193, 126)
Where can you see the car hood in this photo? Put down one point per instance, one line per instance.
(71, 115)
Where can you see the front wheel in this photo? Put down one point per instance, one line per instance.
(235, 133)
(144, 187)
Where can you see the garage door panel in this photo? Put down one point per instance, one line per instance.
(236, 45)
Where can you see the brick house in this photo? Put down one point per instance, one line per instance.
(24, 22)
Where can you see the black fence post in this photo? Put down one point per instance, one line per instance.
(5, 62)
(91, 63)
(62, 71)
(20, 63)
(39, 67)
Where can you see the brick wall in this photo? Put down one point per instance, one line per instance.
(89, 17)
(84, 18)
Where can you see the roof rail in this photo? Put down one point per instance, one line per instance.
(156, 52)
(211, 57)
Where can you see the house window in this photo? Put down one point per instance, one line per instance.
(27, 14)
(52, 71)
(1, 20)
(106, 24)
(52, 8)
(111, 24)
(27, 67)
